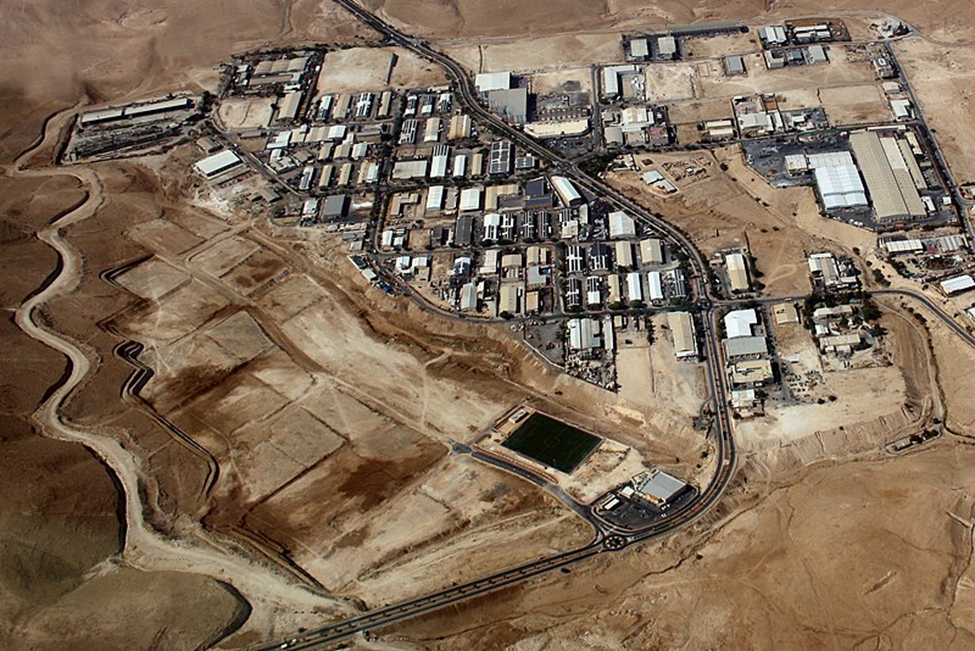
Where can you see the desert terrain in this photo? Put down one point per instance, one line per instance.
(290, 462)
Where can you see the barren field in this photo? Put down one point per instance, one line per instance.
(540, 54)
(376, 68)
(864, 553)
(941, 77)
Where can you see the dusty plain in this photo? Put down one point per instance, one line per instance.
(337, 487)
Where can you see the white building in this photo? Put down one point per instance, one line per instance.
(739, 323)
(621, 225)
(584, 334)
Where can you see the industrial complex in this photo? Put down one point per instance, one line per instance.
(527, 210)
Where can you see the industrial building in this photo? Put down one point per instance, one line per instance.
(652, 251)
(500, 161)
(621, 225)
(488, 81)
(471, 198)
(655, 284)
(657, 487)
(566, 190)
(745, 347)
(739, 323)
(957, 285)
(889, 178)
(584, 334)
(511, 104)
(824, 268)
(685, 337)
(737, 272)
(624, 255)
(611, 79)
(837, 179)
(634, 288)
(217, 164)
(734, 65)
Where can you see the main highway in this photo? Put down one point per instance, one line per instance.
(601, 543)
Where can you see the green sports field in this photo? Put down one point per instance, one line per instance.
(551, 442)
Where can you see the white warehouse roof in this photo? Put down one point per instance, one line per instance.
(838, 180)
(739, 323)
(219, 162)
(488, 81)
(621, 225)
(957, 284)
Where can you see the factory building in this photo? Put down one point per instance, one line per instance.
(888, 176)
(567, 191)
(745, 347)
(957, 285)
(685, 337)
(837, 179)
(621, 225)
(460, 127)
(739, 323)
(499, 163)
(511, 104)
(611, 79)
(624, 255)
(634, 288)
(652, 251)
(737, 272)
(657, 487)
(488, 81)
(216, 164)
(656, 286)
(584, 334)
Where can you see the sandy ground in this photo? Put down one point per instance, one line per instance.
(941, 77)
(863, 554)
(362, 69)
(245, 112)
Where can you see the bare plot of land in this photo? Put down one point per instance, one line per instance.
(650, 376)
(697, 111)
(240, 336)
(245, 112)
(163, 235)
(862, 395)
(254, 272)
(290, 297)
(863, 103)
(839, 71)
(544, 53)
(153, 279)
(226, 254)
(722, 45)
(544, 83)
(942, 80)
(368, 68)
(178, 314)
(671, 82)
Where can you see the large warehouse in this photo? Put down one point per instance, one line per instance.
(888, 176)
(838, 180)
(685, 339)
